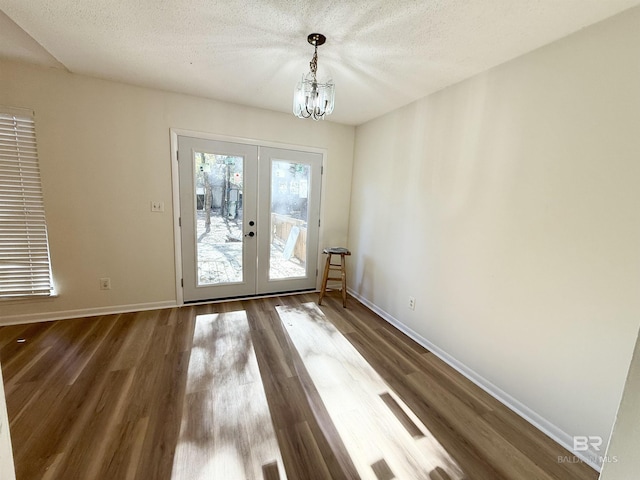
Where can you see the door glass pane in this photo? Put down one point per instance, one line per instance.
(289, 198)
(218, 181)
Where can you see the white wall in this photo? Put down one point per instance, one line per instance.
(622, 461)
(105, 154)
(507, 205)
(7, 469)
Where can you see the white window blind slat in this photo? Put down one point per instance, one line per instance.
(26, 170)
(28, 164)
(11, 204)
(25, 267)
(27, 154)
(12, 178)
(26, 149)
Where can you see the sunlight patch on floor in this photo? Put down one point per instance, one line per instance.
(226, 430)
(362, 406)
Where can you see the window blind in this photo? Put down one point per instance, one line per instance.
(25, 268)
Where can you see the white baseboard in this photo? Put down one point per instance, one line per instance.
(590, 457)
(86, 312)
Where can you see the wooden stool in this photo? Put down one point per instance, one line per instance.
(335, 266)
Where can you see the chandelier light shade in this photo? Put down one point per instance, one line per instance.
(314, 97)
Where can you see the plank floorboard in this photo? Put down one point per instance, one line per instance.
(225, 391)
(353, 394)
(159, 395)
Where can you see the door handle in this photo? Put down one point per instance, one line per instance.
(250, 234)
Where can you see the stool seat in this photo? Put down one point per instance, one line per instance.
(337, 251)
(342, 252)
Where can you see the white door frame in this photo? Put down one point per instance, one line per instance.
(175, 186)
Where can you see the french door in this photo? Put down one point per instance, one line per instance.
(249, 218)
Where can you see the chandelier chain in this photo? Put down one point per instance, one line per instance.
(313, 64)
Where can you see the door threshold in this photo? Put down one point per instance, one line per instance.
(248, 297)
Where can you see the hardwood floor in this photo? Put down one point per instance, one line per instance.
(265, 388)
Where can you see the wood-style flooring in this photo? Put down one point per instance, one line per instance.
(267, 388)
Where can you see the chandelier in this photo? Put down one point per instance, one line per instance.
(314, 98)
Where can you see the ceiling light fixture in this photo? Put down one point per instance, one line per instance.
(313, 98)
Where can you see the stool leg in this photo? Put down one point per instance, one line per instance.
(344, 282)
(323, 289)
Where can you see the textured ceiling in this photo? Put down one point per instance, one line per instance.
(381, 53)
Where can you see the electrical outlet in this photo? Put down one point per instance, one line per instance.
(157, 206)
(412, 303)
(105, 283)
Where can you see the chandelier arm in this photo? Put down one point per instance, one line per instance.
(306, 109)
